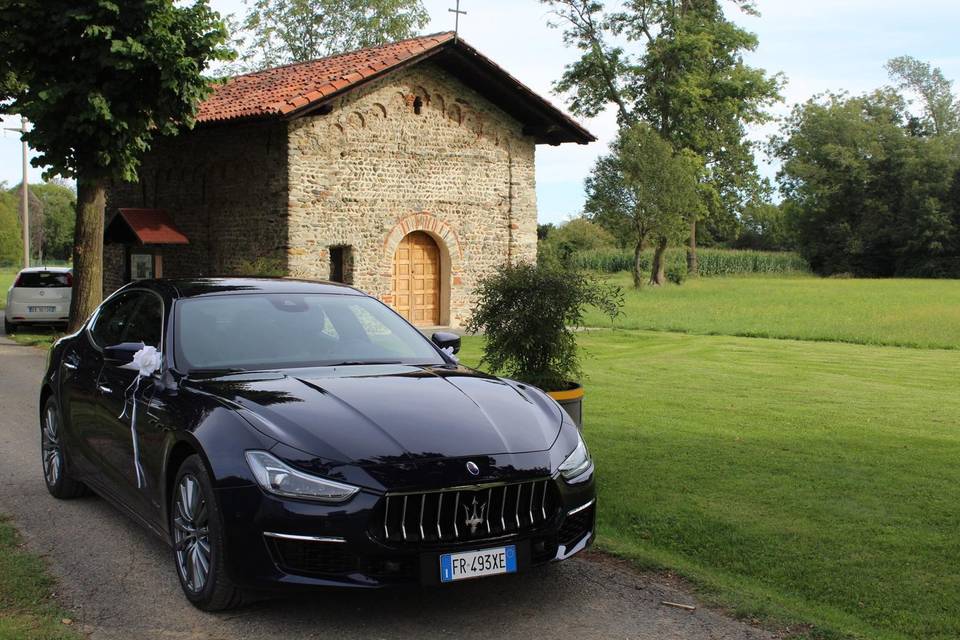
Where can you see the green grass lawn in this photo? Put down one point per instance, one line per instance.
(6, 279)
(916, 313)
(797, 481)
(27, 611)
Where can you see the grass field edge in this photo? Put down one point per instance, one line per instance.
(28, 610)
(746, 600)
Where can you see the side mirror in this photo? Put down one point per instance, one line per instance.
(446, 340)
(121, 354)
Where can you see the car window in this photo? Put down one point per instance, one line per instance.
(145, 324)
(133, 316)
(261, 331)
(112, 319)
(43, 279)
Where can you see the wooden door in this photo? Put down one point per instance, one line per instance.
(416, 279)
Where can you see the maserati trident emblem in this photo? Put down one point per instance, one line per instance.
(474, 517)
(473, 468)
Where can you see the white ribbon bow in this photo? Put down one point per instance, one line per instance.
(145, 361)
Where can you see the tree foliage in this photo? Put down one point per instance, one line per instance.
(59, 202)
(866, 193)
(941, 112)
(100, 80)
(276, 32)
(570, 238)
(678, 66)
(764, 227)
(11, 237)
(643, 191)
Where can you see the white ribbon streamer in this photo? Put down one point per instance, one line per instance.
(146, 361)
(449, 352)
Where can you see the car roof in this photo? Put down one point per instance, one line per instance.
(50, 269)
(201, 287)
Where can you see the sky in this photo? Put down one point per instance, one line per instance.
(820, 45)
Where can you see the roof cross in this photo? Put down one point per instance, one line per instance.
(456, 25)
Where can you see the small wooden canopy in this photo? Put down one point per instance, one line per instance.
(143, 226)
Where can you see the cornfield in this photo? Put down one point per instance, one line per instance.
(713, 262)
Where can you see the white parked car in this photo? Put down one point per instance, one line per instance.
(39, 295)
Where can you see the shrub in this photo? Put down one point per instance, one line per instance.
(676, 274)
(560, 244)
(529, 314)
(263, 266)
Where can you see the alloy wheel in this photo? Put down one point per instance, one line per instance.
(50, 447)
(191, 534)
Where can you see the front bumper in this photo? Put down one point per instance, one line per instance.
(273, 542)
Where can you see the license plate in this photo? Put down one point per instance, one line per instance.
(477, 564)
(41, 309)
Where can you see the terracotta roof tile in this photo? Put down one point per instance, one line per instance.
(285, 89)
(150, 226)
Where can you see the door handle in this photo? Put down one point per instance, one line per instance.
(104, 390)
(70, 365)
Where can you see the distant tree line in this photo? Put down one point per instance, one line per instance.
(871, 183)
(52, 217)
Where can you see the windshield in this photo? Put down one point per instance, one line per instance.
(250, 332)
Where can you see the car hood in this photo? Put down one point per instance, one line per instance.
(376, 414)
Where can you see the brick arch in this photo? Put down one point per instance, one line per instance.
(423, 221)
(451, 254)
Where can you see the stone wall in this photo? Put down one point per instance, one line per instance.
(225, 188)
(417, 150)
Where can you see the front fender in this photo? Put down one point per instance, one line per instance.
(219, 436)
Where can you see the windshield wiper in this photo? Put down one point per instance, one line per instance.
(214, 371)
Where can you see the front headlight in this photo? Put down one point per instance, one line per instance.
(279, 478)
(577, 462)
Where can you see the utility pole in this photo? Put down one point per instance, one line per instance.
(25, 195)
(456, 23)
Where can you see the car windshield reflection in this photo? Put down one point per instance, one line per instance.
(226, 334)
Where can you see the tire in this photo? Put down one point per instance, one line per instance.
(189, 518)
(53, 456)
(9, 327)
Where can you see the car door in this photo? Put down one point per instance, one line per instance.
(126, 444)
(79, 371)
(81, 366)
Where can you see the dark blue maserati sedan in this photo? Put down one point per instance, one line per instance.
(281, 432)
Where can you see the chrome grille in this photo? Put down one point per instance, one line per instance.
(465, 513)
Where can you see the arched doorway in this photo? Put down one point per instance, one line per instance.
(416, 279)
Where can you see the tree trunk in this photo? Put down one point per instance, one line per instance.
(638, 265)
(88, 251)
(693, 267)
(658, 274)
